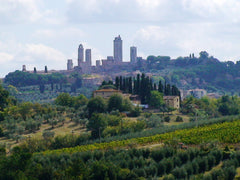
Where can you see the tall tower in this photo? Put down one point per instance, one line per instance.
(24, 68)
(117, 49)
(133, 54)
(88, 57)
(80, 54)
(69, 64)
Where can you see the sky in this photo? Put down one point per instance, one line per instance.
(39, 33)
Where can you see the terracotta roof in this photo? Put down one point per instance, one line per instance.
(170, 97)
(107, 90)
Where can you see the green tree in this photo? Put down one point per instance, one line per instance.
(96, 105)
(156, 99)
(203, 55)
(4, 98)
(48, 134)
(154, 121)
(26, 110)
(64, 99)
(117, 83)
(97, 123)
(79, 101)
(46, 70)
(115, 102)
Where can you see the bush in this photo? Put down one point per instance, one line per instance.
(179, 173)
(135, 112)
(179, 119)
(167, 119)
(48, 134)
(154, 121)
(1, 132)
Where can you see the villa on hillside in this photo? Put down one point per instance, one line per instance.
(171, 101)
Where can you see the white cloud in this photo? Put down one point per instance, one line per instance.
(5, 58)
(116, 10)
(216, 9)
(32, 55)
(19, 11)
(156, 11)
(43, 53)
(59, 33)
(181, 39)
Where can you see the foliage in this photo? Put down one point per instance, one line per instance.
(19, 78)
(218, 132)
(48, 134)
(179, 119)
(156, 99)
(142, 86)
(154, 121)
(165, 163)
(96, 105)
(115, 102)
(4, 98)
(97, 123)
(64, 99)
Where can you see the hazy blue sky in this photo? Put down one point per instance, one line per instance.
(47, 32)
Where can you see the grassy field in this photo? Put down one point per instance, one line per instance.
(68, 127)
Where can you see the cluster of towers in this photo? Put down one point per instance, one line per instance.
(116, 59)
(81, 62)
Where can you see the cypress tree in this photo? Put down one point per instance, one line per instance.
(165, 88)
(130, 89)
(160, 87)
(121, 83)
(168, 91)
(124, 84)
(151, 84)
(46, 70)
(148, 89)
(134, 86)
(138, 84)
(142, 89)
(154, 87)
(117, 83)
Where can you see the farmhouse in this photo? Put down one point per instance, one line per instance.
(172, 101)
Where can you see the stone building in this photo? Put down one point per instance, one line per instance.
(80, 54)
(88, 57)
(197, 93)
(24, 69)
(69, 64)
(117, 49)
(172, 101)
(133, 54)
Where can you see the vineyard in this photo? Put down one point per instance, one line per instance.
(228, 132)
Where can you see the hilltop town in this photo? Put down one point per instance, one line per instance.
(191, 74)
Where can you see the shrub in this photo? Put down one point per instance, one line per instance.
(1, 132)
(179, 173)
(48, 134)
(179, 119)
(154, 121)
(167, 119)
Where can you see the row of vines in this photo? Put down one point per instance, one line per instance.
(228, 132)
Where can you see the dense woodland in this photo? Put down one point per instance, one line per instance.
(205, 72)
